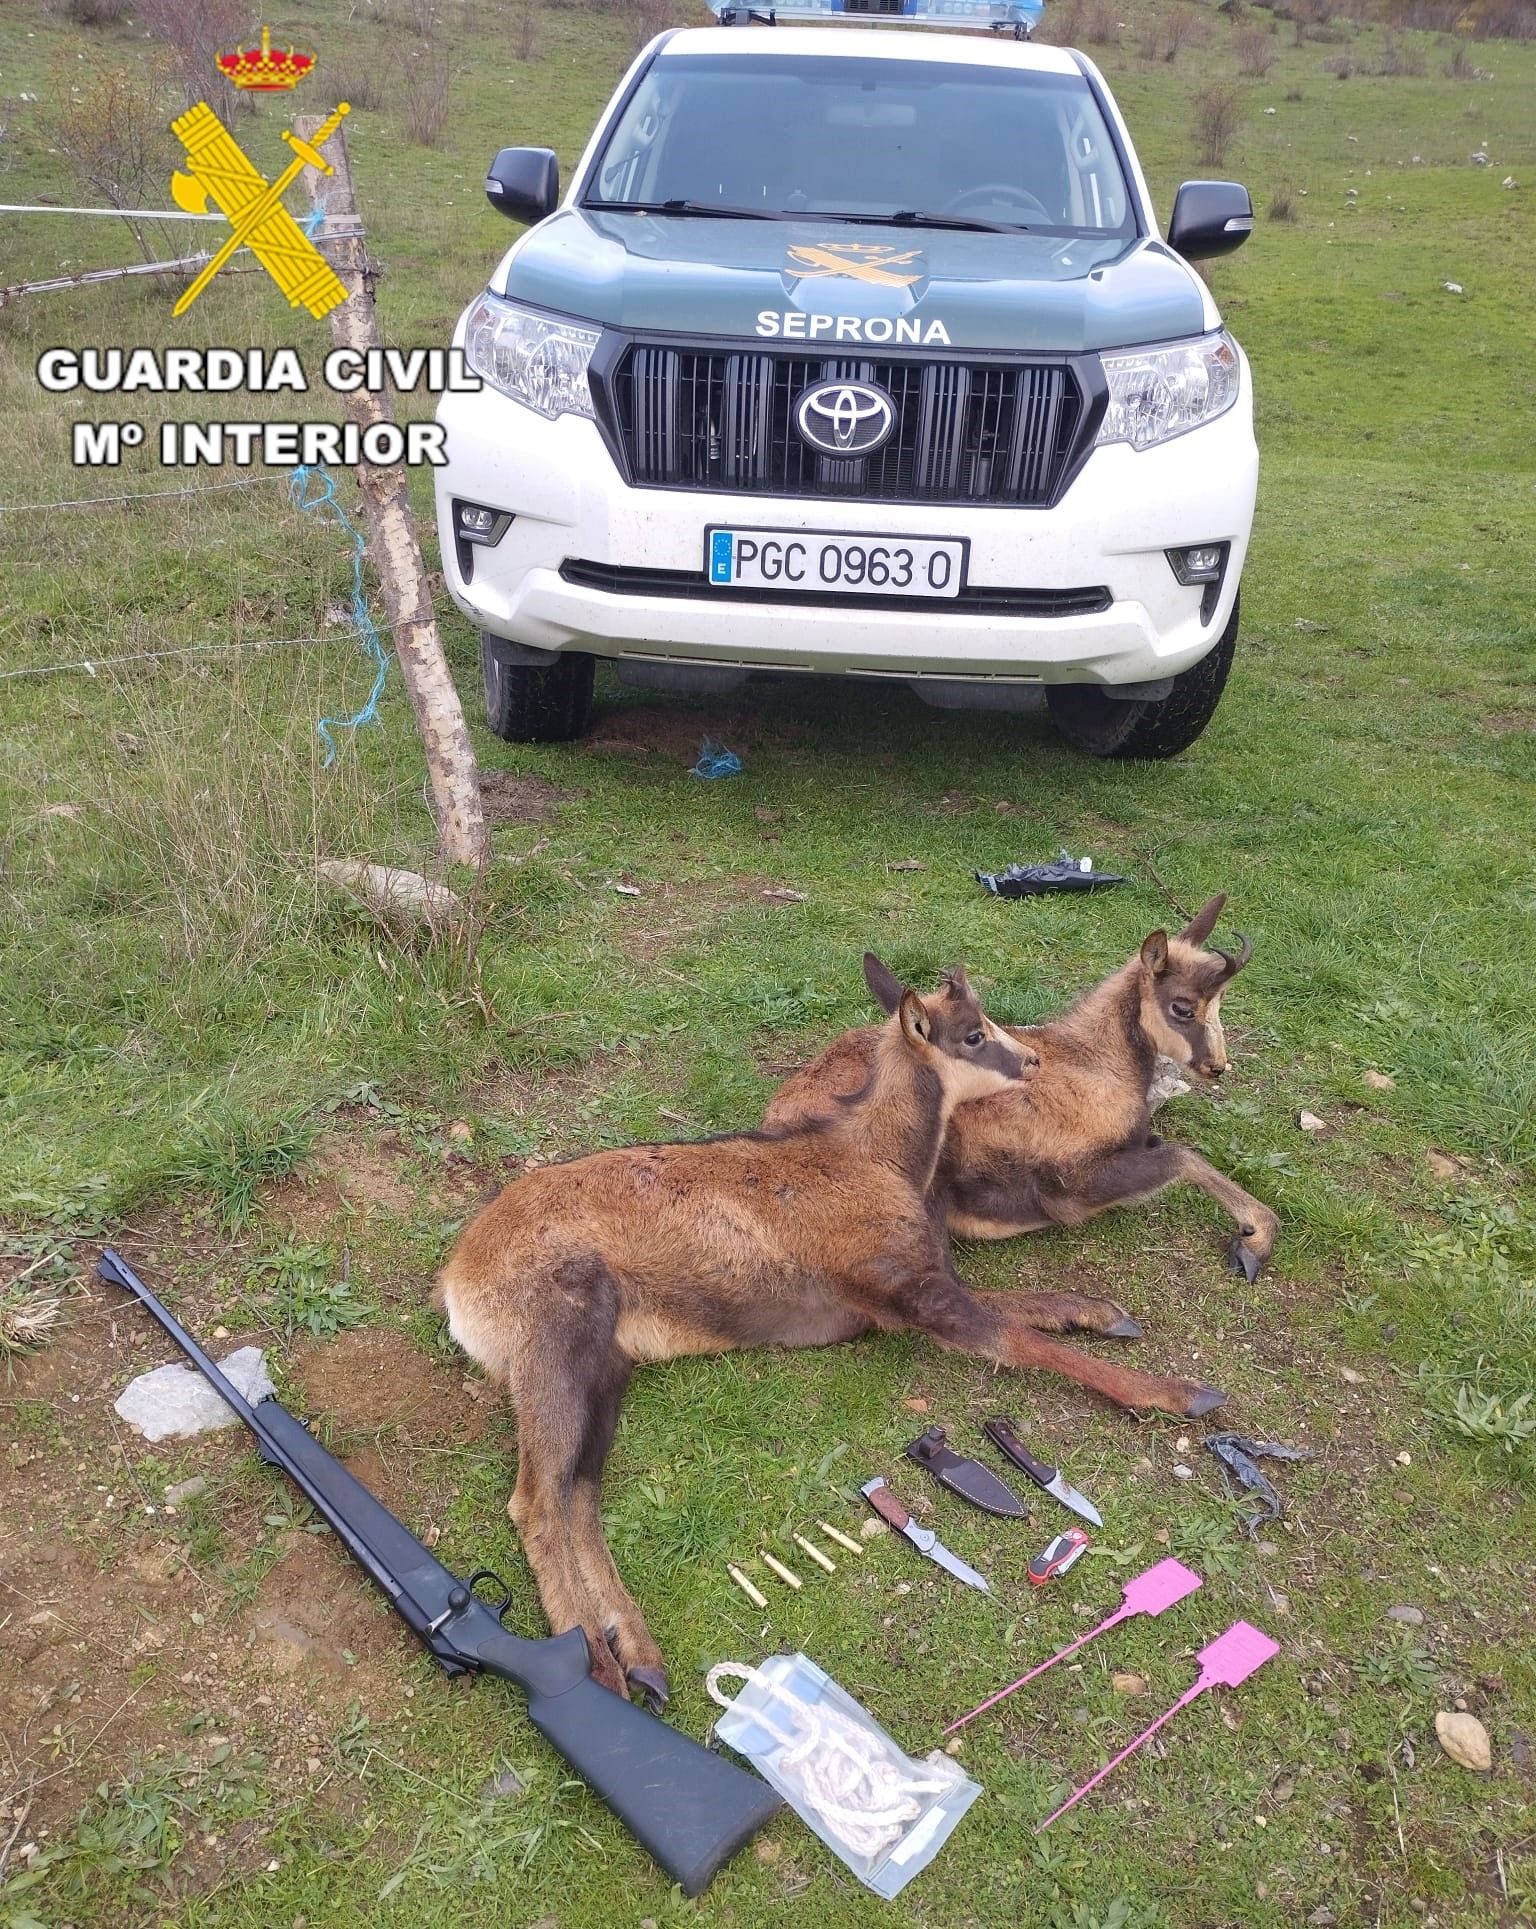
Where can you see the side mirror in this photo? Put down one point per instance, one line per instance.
(523, 183)
(1210, 218)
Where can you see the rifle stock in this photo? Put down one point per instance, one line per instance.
(691, 1809)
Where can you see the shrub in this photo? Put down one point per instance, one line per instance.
(1218, 109)
(1460, 66)
(1283, 204)
(193, 37)
(1101, 24)
(112, 131)
(423, 94)
(1341, 66)
(91, 13)
(1294, 94)
(1179, 28)
(1150, 45)
(1396, 61)
(1256, 51)
(361, 82)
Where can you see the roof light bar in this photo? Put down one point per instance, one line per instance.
(1016, 17)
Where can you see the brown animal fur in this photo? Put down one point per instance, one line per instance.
(1077, 1140)
(797, 1236)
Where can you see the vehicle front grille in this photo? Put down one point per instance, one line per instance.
(982, 432)
(975, 599)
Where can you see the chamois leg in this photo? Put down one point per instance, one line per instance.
(1069, 1313)
(624, 1626)
(966, 1322)
(556, 1379)
(1254, 1242)
(1127, 1178)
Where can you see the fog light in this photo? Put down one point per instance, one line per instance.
(1199, 562)
(477, 524)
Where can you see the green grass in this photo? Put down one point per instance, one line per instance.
(182, 1011)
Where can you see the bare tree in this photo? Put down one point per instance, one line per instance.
(112, 129)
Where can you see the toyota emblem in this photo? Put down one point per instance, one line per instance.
(845, 418)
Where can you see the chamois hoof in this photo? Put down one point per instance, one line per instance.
(1243, 1259)
(1125, 1328)
(1205, 1401)
(655, 1689)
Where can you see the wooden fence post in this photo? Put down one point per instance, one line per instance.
(451, 766)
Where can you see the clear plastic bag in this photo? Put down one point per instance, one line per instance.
(884, 1813)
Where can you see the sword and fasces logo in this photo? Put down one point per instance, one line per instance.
(219, 172)
(866, 261)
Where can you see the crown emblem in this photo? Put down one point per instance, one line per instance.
(265, 69)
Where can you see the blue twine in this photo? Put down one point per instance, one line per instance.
(368, 635)
(715, 760)
(314, 221)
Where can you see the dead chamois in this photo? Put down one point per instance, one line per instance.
(799, 1236)
(1077, 1139)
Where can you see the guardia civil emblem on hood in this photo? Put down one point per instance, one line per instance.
(874, 263)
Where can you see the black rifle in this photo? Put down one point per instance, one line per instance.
(692, 1810)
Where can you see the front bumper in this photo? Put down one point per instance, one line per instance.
(1125, 509)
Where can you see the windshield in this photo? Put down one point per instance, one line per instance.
(866, 139)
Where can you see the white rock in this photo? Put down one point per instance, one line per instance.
(1310, 1122)
(1181, 1472)
(387, 890)
(1451, 287)
(1465, 1740)
(176, 1402)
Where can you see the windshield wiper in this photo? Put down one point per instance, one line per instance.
(911, 218)
(711, 210)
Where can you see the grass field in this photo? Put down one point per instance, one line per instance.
(283, 1113)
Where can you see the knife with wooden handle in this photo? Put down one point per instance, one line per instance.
(1002, 1435)
(924, 1539)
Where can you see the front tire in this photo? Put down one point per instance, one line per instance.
(543, 705)
(1101, 726)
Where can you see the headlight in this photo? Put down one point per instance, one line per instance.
(1158, 393)
(535, 359)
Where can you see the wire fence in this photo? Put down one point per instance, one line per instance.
(310, 490)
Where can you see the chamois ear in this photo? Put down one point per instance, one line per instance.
(915, 1027)
(959, 985)
(1203, 923)
(885, 987)
(1154, 952)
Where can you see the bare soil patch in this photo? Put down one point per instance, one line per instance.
(374, 1381)
(669, 914)
(518, 797)
(676, 732)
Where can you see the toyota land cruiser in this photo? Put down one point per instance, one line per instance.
(857, 352)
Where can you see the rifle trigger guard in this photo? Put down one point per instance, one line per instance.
(500, 1607)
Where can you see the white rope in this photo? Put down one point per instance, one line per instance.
(865, 1797)
(91, 664)
(122, 214)
(137, 495)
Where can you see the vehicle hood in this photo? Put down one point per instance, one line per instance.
(827, 281)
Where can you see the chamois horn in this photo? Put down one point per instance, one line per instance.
(1233, 962)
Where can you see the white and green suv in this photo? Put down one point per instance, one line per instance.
(855, 352)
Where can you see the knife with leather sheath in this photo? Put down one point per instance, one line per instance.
(967, 1478)
(1001, 1433)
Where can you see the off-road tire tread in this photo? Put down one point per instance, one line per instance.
(1154, 729)
(526, 705)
